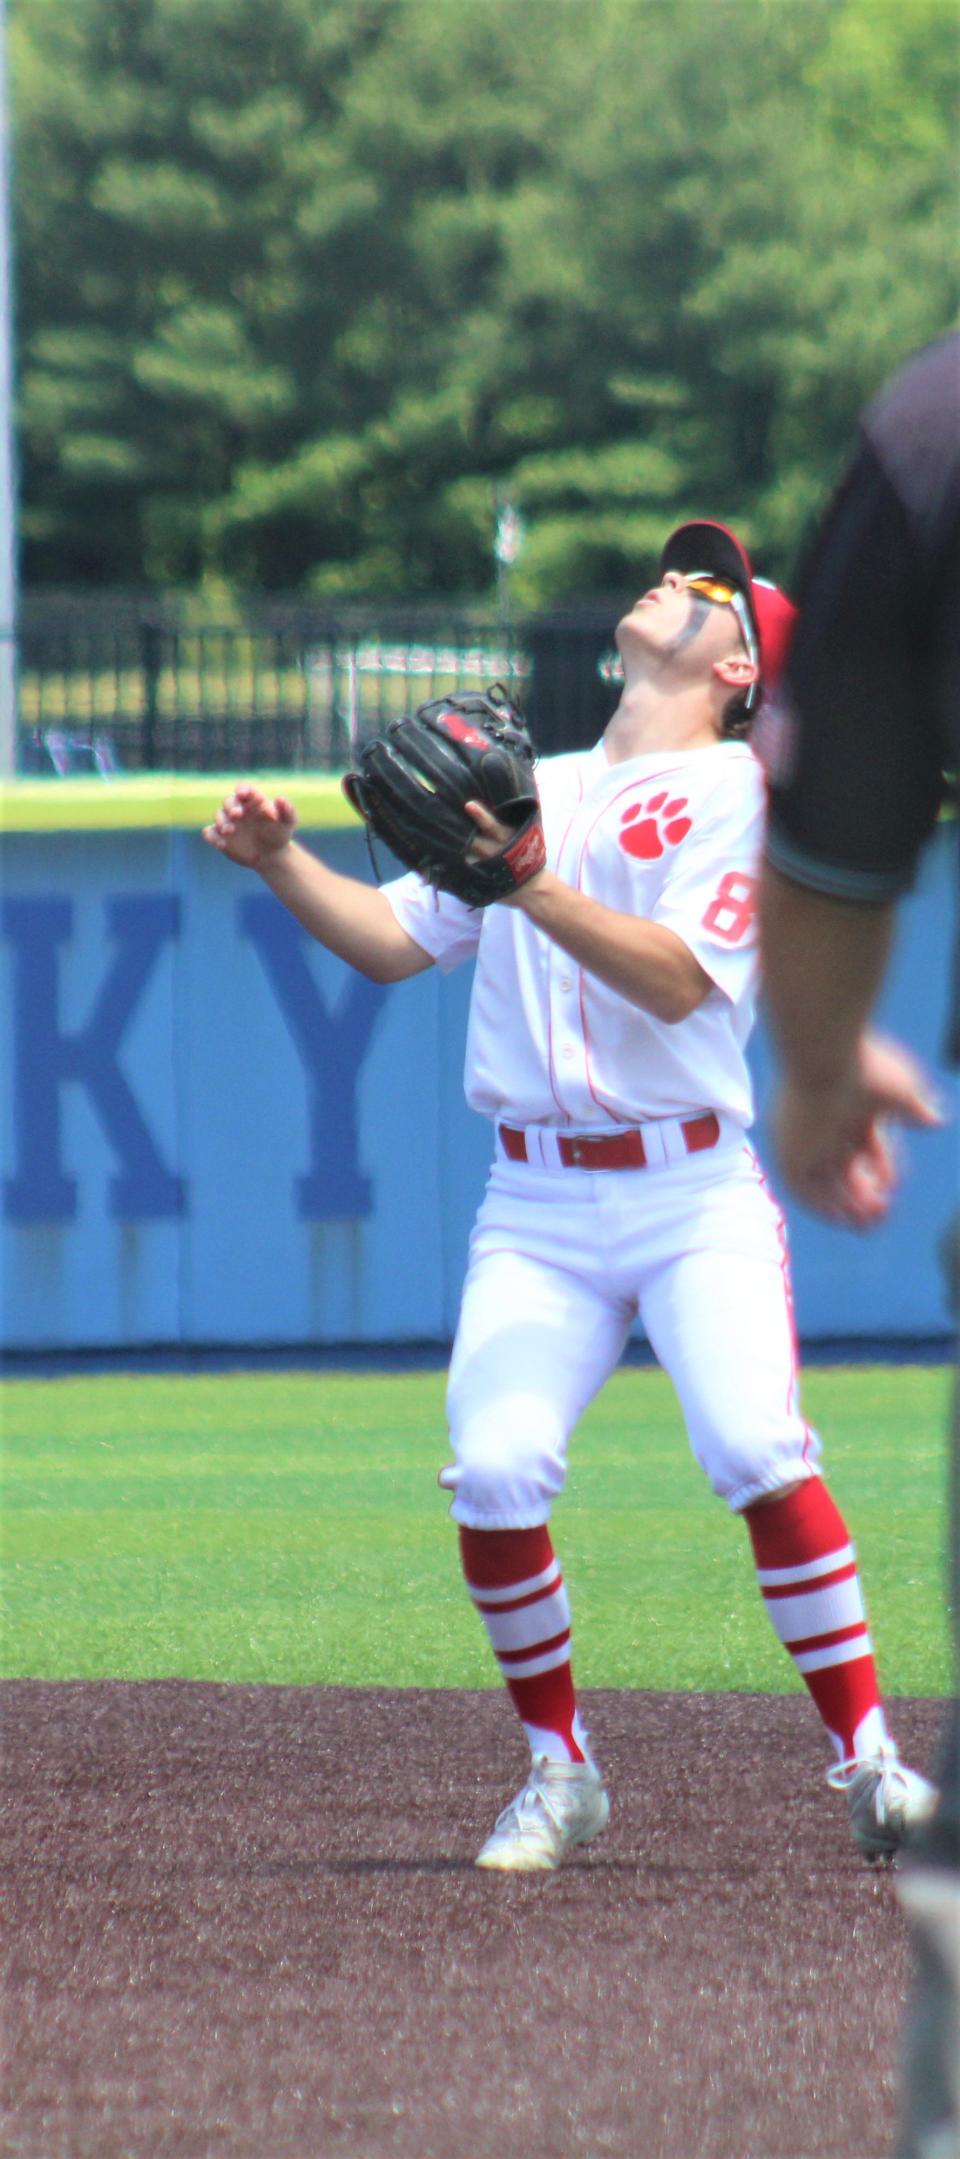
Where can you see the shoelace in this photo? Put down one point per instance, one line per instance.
(536, 1789)
(841, 1776)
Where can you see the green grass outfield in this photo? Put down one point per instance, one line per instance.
(156, 801)
(287, 1528)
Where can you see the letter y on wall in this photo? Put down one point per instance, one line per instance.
(332, 1046)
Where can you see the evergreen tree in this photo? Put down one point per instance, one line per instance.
(304, 292)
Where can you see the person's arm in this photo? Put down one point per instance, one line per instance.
(823, 962)
(351, 919)
(644, 961)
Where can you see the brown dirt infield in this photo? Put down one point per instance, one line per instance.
(243, 1923)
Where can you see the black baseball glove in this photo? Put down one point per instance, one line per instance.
(412, 783)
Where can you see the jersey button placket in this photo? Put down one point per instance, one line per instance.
(559, 999)
(569, 1055)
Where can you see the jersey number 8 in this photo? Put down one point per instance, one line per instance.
(731, 910)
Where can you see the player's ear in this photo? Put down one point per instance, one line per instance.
(737, 671)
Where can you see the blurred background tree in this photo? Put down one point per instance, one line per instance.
(304, 292)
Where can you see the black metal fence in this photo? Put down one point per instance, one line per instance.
(110, 683)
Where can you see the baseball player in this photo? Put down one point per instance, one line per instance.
(612, 1001)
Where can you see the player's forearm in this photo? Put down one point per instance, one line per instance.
(351, 919)
(643, 961)
(823, 961)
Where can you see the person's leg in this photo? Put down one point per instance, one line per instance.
(807, 1573)
(514, 1578)
(534, 1344)
(720, 1318)
(929, 1891)
(929, 1884)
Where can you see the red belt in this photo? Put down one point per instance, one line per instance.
(611, 1150)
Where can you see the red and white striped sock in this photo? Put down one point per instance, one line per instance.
(517, 1587)
(807, 1571)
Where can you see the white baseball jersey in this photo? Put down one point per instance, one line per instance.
(673, 836)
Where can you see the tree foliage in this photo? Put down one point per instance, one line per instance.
(304, 292)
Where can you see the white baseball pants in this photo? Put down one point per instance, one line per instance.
(561, 1261)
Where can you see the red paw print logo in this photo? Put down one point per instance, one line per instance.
(647, 829)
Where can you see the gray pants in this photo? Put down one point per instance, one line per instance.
(930, 1892)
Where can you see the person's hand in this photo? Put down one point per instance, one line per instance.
(492, 837)
(252, 828)
(834, 1143)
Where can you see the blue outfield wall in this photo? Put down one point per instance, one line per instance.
(214, 1133)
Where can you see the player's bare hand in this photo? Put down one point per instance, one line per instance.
(835, 1145)
(492, 838)
(252, 828)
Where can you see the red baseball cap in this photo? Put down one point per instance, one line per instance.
(715, 550)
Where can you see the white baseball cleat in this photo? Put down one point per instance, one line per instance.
(886, 1801)
(561, 1804)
